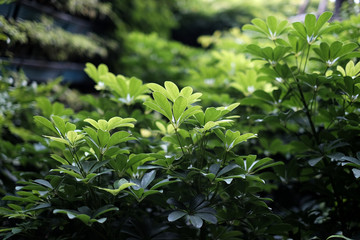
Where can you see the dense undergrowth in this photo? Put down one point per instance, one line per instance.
(263, 145)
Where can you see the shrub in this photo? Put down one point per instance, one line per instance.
(313, 111)
(115, 180)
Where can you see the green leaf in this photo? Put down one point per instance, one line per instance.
(300, 29)
(92, 122)
(76, 175)
(310, 21)
(163, 183)
(103, 137)
(70, 127)
(220, 135)
(59, 159)
(272, 23)
(60, 140)
(356, 172)
(43, 183)
(147, 179)
(179, 107)
(117, 122)
(104, 209)
(172, 89)
(92, 135)
(212, 114)
(164, 104)
(72, 136)
(175, 215)
(207, 217)
(260, 24)
(120, 184)
(91, 70)
(59, 124)
(45, 105)
(196, 221)
(227, 169)
(323, 18)
(264, 96)
(45, 122)
(157, 88)
(119, 137)
(186, 92)
(209, 125)
(18, 199)
(103, 124)
(138, 159)
(339, 236)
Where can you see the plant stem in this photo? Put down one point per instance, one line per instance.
(77, 161)
(307, 57)
(225, 155)
(178, 138)
(307, 112)
(306, 107)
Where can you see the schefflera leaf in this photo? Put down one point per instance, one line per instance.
(313, 28)
(350, 70)
(175, 105)
(213, 117)
(251, 165)
(86, 215)
(126, 90)
(96, 73)
(271, 29)
(119, 185)
(113, 123)
(331, 55)
(231, 139)
(195, 211)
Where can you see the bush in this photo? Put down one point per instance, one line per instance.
(181, 170)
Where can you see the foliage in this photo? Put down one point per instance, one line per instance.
(315, 103)
(145, 16)
(45, 36)
(20, 145)
(89, 8)
(154, 59)
(108, 175)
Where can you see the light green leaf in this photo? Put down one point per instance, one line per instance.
(310, 21)
(186, 92)
(92, 122)
(164, 104)
(59, 159)
(116, 122)
(272, 24)
(56, 139)
(179, 107)
(59, 124)
(172, 89)
(157, 88)
(103, 124)
(323, 18)
(123, 185)
(45, 122)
